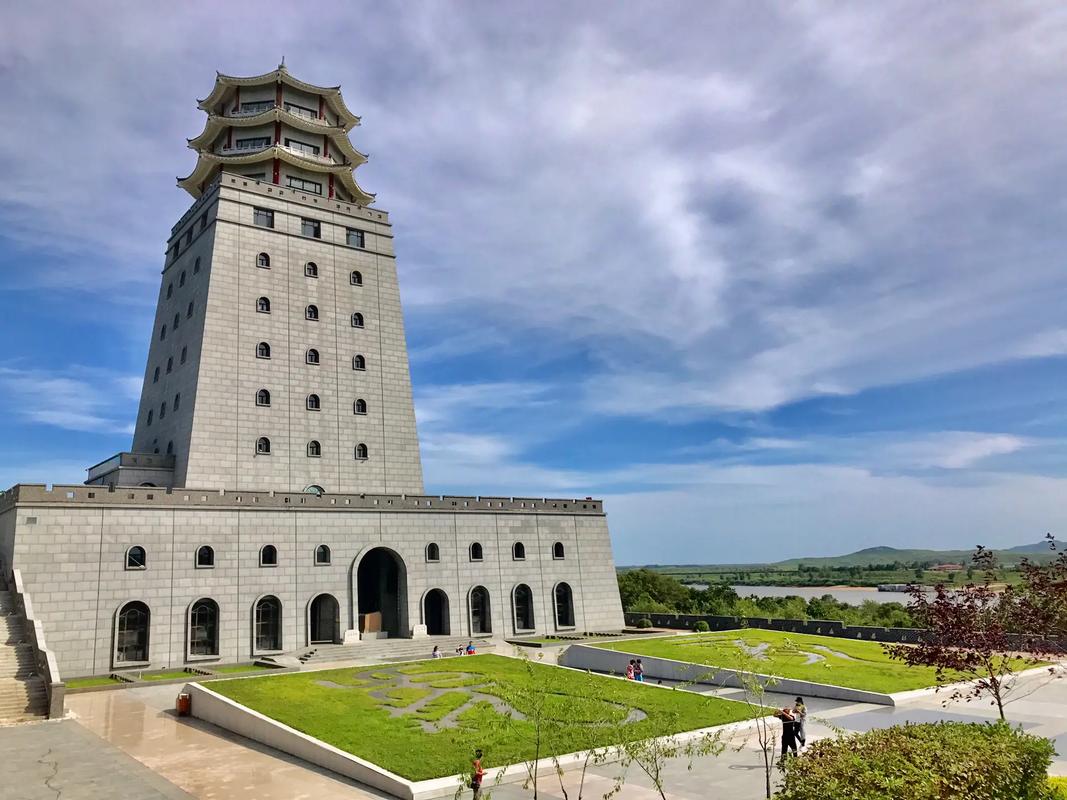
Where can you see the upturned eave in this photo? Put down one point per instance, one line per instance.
(332, 94)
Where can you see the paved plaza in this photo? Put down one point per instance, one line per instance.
(129, 744)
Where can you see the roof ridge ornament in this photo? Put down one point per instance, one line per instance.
(281, 66)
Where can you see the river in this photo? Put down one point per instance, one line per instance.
(854, 595)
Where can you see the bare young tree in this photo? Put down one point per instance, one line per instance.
(653, 755)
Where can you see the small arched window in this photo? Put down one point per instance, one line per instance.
(155, 376)
(357, 320)
(262, 398)
(263, 446)
(359, 362)
(314, 449)
(263, 261)
(314, 403)
(311, 269)
(558, 551)
(312, 356)
(262, 350)
(177, 320)
(361, 452)
(163, 333)
(268, 556)
(518, 551)
(360, 406)
(170, 290)
(314, 489)
(476, 551)
(170, 448)
(181, 279)
(312, 313)
(185, 354)
(149, 420)
(263, 305)
(163, 409)
(189, 310)
(433, 552)
(196, 265)
(357, 278)
(205, 557)
(136, 558)
(322, 555)
(170, 365)
(177, 400)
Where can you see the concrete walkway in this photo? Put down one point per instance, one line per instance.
(97, 755)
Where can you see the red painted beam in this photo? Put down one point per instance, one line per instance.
(331, 185)
(277, 171)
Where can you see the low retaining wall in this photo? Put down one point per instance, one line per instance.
(47, 667)
(614, 661)
(817, 627)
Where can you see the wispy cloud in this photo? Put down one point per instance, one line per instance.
(78, 399)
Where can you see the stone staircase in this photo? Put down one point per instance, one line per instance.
(379, 651)
(22, 691)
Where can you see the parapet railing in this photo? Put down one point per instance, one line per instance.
(45, 659)
(140, 496)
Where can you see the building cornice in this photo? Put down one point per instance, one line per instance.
(207, 161)
(216, 124)
(332, 94)
(141, 497)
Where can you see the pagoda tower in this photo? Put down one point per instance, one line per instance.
(278, 358)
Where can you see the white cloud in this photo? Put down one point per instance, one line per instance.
(75, 399)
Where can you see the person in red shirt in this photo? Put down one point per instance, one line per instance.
(477, 773)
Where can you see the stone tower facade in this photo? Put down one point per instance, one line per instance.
(278, 357)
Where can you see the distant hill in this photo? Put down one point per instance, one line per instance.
(1038, 551)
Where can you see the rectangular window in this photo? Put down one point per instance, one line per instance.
(301, 111)
(355, 238)
(302, 147)
(257, 176)
(256, 106)
(305, 186)
(253, 143)
(188, 237)
(263, 217)
(203, 220)
(311, 227)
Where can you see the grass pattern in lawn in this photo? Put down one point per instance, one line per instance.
(349, 709)
(821, 659)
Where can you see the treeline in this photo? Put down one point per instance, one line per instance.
(645, 590)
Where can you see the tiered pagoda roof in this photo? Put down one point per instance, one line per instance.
(339, 159)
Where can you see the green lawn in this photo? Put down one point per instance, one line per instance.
(225, 669)
(170, 674)
(845, 662)
(98, 680)
(423, 720)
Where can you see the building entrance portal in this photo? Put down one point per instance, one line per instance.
(325, 620)
(381, 593)
(435, 613)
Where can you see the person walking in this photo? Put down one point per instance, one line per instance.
(630, 670)
(477, 774)
(800, 713)
(639, 671)
(789, 731)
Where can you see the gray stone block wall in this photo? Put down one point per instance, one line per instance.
(73, 560)
(216, 429)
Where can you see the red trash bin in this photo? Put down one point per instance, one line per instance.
(184, 704)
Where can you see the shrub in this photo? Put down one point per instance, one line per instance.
(644, 622)
(939, 761)
(701, 626)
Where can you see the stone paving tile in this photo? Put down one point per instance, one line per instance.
(61, 760)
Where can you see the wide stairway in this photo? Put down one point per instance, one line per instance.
(22, 693)
(378, 651)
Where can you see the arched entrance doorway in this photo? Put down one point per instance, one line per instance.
(481, 614)
(324, 620)
(435, 613)
(381, 593)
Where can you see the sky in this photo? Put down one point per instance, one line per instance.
(772, 279)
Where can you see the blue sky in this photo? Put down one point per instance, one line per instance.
(774, 280)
